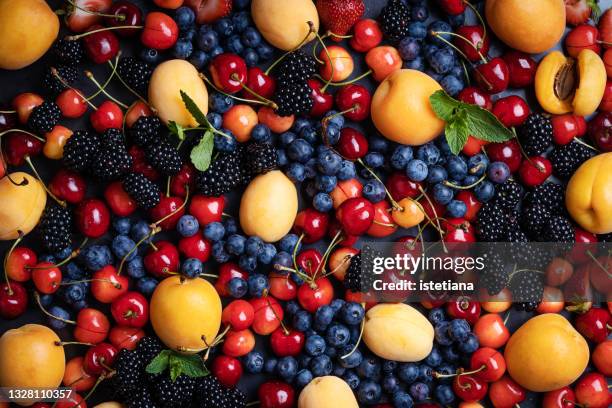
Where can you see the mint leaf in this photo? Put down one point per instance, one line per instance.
(159, 363)
(175, 367)
(191, 106)
(457, 132)
(443, 105)
(596, 11)
(189, 365)
(176, 130)
(483, 125)
(202, 153)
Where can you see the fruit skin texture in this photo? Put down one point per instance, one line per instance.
(588, 198)
(284, 24)
(396, 331)
(520, 25)
(401, 110)
(29, 358)
(168, 79)
(546, 353)
(27, 28)
(15, 215)
(269, 206)
(589, 89)
(327, 392)
(184, 310)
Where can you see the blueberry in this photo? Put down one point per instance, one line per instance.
(390, 384)
(267, 255)
(289, 242)
(265, 51)
(369, 368)
(199, 59)
(338, 370)
(250, 56)
(347, 170)
(338, 335)
(429, 50)
(300, 150)
(292, 307)
(450, 354)
(237, 287)
(225, 142)
(456, 209)
(441, 334)
(498, 172)
(458, 71)
(297, 279)
(261, 133)
(235, 244)
(322, 202)
(402, 399)
(331, 352)
(378, 144)
(434, 359)
(150, 56)
(61, 313)
(74, 271)
(302, 320)
(437, 174)
(224, 27)
(456, 20)
(368, 392)
(477, 164)
(216, 51)
(287, 368)
(189, 34)
(409, 48)
(457, 167)
(287, 137)
(122, 225)
(325, 184)
(484, 191)
(436, 315)
(214, 231)
(459, 329)
(389, 366)
(417, 30)
(234, 45)
(452, 84)
(192, 267)
(329, 162)
(408, 372)
(231, 226)
(80, 305)
(352, 379)
(419, 391)
(374, 191)
(215, 120)
(254, 245)
(417, 170)
(184, 17)
(435, 30)
(304, 360)
(336, 305)
(419, 12)
(146, 285)
(314, 345)
(300, 123)
(257, 284)
(219, 252)
(332, 134)
(220, 103)
(135, 268)
(417, 64)
(470, 344)
(350, 358)
(254, 362)
(74, 293)
(441, 61)
(187, 225)
(336, 118)
(303, 378)
(270, 365)
(401, 156)
(241, 20)
(282, 259)
(446, 369)
(140, 230)
(442, 194)
(247, 262)
(281, 157)
(96, 257)
(352, 313)
(251, 37)
(182, 48)
(321, 365)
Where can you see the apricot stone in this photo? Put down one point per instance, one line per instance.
(21, 205)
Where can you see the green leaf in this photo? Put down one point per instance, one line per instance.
(443, 105)
(202, 153)
(483, 125)
(457, 132)
(192, 107)
(176, 130)
(595, 8)
(189, 365)
(159, 363)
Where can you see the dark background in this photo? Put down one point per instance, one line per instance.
(29, 80)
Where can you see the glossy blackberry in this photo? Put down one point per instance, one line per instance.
(80, 150)
(297, 66)
(44, 117)
(533, 220)
(135, 73)
(494, 278)
(113, 160)
(394, 20)
(145, 192)
(209, 393)
(605, 238)
(527, 286)
(129, 372)
(550, 195)
(260, 158)
(51, 82)
(508, 195)
(164, 157)
(566, 159)
(148, 348)
(359, 275)
(527, 306)
(225, 174)
(68, 52)
(145, 131)
(142, 398)
(293, 99)
(491, 222)
(55, 227)
(171, 394)
(535, 134)
(559, 229)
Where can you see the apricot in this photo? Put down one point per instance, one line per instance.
(185, 313)
(341, 61)
(546, 353)
(269, 206)
(167, 82)
(21, 206)
(27, 28)
(30, 358)
(327, 392)
(240, 120)
(588, 196)
(285, 24)
(401, 110)
(528, 26)
(276, 123)
(565, 84)
(109, 404)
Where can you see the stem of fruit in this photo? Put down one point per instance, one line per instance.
(538, 168)
(476, 47)
(329, 59)
(265, 295)
(582, 142)
(131, 251)
(330, 247)
(209, 82)
(603, 268)
(468, 80)
(311, 30)
(433, 208)
(101, 378)
(20, 236)
(42, 308)
(265, 101)
(72, 343)
(90, 75)
(173, 213)
(332, 34)
(7, 112)
(482, 23)
(103, 87)
(136, 94)
(298, 272)
(63, 82)
(117, 285)
(450, 44)
(460, 372)
(40, 139)
(394, 203)
(120, 17)
(100, 30)
(474, 184)
(283, 268)
(70, 257)
(209, 275)
(350, 81)
(29, 161)
(345, 259)
(358, 339)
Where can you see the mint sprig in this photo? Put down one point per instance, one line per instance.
(463, 120)
(201, 154)
(178, 364)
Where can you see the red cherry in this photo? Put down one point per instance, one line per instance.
(356, 215)
(347, 240)
(469, 388)
(125, 337)
(473, 205)
(493, 76)
(594, 324)
(24, 103)
(18, 146)
(366, 35)
(458, 230)
(7, 118)
(227, 272)
(260, 83)
(162, 259)
(135, 111)
(228, 370)
(73, 401)
(46, 277)
(195, 247)
(168, 205)
(473, 146)
(592, 391)
(108, 116)
(69, 186)
(452, 7)
(322, 101)
(140, 164)
(276, 394)
(312, 224)
(76, 377)
(71, 103)
(309, 260)
(160, 31)
(400, 186)
(99, 358)
(13, 300)
(286, 343)
(582, 37)
(282, 286)
(81, 18)
(464, 309)
(522, 68)
(268, 315)
(125, 14)
(91, 326)
(92, 218)
(474, 44)
(184, 178)
(506, 393)
(600, 130)
(369, 298)
(561, 398)
(535, 170)
(346, 189)
(229, 72)
(101, 46)
(602, 358)
(352, 144)
(207, 209)
(131, 309)
(18, 262)
(492, 361)
(238, 343)
(606, 101)
(107, 285)
(383, 224)
(567, 127)
(118, 200)
(355, 97)
(511, 110)
(579, 253)
(508, 152)
(239, 314)
(475, 96)
(311, 296)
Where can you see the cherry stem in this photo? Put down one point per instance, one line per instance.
(72, 255)
(90, 75)
(101, 378)
(476, 47)
(209, 82)
(433, 208)
(261, 99)
(283, 268)
(7, 112)
(535, 166)
(103, 87)
(40, 139)
(460, 372)
(331, 63)
(129, 88)
(117, 285)
(466, 74)
(482, 23)
(507, 317)
(330, 247)
(253, 403)
(358, 339)
(582, 142)
(394, 203)
(209, 275)
(345, 259)
(603, 268)
(350, 81)
(131, 251)
(474, 184)
(72, 343)
(20, 236)
(265, 296)
(173, 213)
(298, 272)
(39, 303)
(29, 161)
(332, 34)
(100, 30)
(56, 74)
(311, 30)
(120, 17)
(450, 44)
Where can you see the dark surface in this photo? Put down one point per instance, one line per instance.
(29, 79)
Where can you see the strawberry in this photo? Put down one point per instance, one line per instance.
(82, 14)
(579, 11)
(209, 11)
(339, 16)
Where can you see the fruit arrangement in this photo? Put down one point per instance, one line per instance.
(193, 191)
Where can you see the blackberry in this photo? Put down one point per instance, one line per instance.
(144, 191)
(135, 73)
(605, 238)
(359, 276)
(67, 73)
(526, 306)
(559, 229)
(260, 158)
(148, 348)
(494, 277)
(535, 134)
(170, 394)
(55, 227)
(508, 195)
(527, 287)
(394, 20)
(491, 222)
(80, 150)
(533, 220)
(141, 398)
(225, 174)
(296, 67)
(145, 131)
(68, 52)
(209, 393)
(164, 157)
(113, 160)
(129, 372)
(44, 117)
(550, 195)
(293, 99)
(566, 159)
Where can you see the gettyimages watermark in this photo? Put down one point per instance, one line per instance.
(521, 272)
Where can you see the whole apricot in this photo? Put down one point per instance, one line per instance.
(240, 120)
(327, 392)
(588, 196)
(341, 61)
(21, 205)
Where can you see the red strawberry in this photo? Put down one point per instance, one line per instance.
(339, 16)
(82, 14)
(208, 11)
(577, 11)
